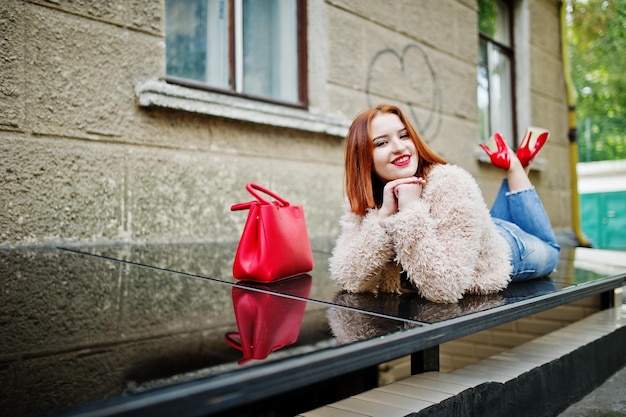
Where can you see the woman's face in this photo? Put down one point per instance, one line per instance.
(394, 155)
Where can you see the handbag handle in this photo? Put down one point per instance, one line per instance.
(252, 189)
(230, 337)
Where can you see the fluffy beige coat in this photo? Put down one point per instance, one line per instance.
(446, 242)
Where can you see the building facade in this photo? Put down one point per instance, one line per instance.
(99, 143)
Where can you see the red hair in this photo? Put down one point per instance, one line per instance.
(363, 187)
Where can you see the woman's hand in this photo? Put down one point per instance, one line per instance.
(406, 194)
(398, 194)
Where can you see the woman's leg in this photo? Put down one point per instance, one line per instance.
(531, 257)
(523, 222)
(500, 207)
(517, 202)
(528, 213)
(517, 175)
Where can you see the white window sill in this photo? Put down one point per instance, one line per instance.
(170, 96)
(538, 164)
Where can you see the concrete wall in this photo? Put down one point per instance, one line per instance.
(96, 147)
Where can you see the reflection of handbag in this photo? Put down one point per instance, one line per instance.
(266, 321)
(275, 242)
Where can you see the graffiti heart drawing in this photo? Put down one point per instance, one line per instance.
(410, 79)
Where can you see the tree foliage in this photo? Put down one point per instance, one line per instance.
(597, 48)
(487, 10)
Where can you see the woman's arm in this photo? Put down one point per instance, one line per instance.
(437, 237)
(359, 262)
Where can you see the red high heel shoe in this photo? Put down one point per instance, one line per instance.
(533, 141)
(499, 156)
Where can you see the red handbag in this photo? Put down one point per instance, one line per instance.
(266, 321)
(275, 242)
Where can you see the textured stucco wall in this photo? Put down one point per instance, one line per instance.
(82, 161)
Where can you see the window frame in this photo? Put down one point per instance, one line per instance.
(509, 53)
(302, 66)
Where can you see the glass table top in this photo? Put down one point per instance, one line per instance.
(76, 329)
(81, 325)
(214, 261)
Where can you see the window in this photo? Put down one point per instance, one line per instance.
(253, 48)
(495, 70)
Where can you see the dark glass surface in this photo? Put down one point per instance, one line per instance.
(214, 261)
(76, 329)
(83, 325)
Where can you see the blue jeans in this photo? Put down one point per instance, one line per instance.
(522, 221)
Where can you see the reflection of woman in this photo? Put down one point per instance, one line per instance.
(522, 290)
(349, 325)
(410, 211)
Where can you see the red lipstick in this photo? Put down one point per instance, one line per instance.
(402, 160)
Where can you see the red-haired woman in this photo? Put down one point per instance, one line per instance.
(410, 214)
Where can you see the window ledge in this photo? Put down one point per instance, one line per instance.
(538, 164)
(161, 94)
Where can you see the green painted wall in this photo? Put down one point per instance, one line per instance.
(603, 219)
